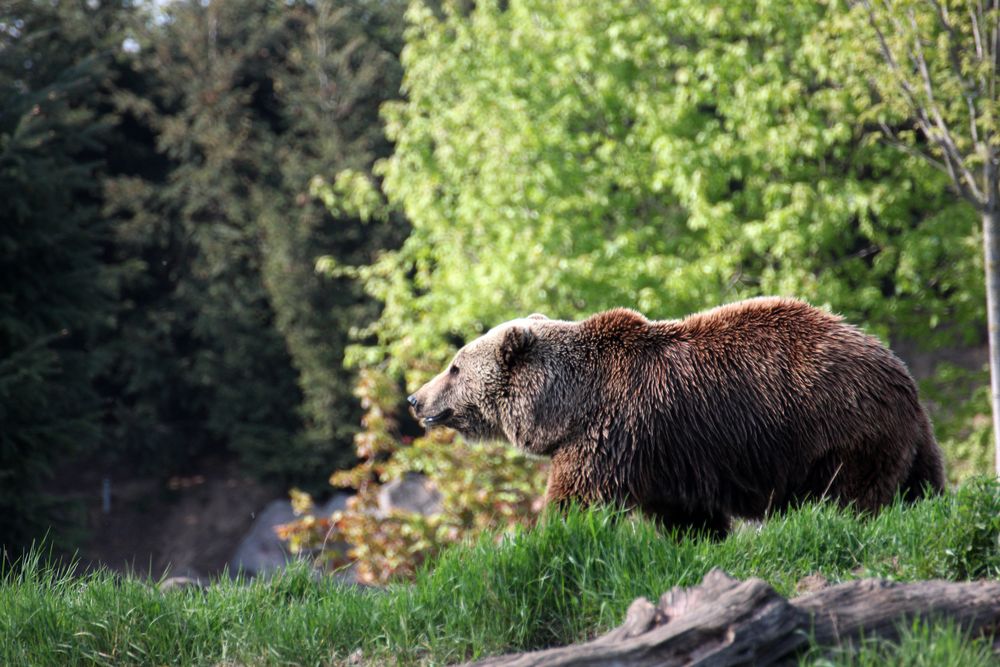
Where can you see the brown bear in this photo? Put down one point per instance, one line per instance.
(737, 411)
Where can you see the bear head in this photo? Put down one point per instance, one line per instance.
(513, 383)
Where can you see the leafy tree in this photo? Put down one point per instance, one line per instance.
(931, 68)
(166, 161)
(53, 288)
(568, 157)
(215, 372)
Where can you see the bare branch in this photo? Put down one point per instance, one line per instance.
(995, 42)
(935, 129)
(973, 130)
(975, 34)
(990, 171)
(941, 10)
(990, 175)
(943, 136)
(959, 183)
(889, 57)
(969, 91)
(893, 140)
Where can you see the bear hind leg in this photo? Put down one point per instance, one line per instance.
(926, 475)
(868, 484)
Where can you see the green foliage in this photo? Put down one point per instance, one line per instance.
(961, 402)
(977, 550)
(926, 77)
(339, 64)
(677, 156)
(206, 65)
(53, 290)
(567, 578)
(483, 488)
(165, 161)
(555, 583)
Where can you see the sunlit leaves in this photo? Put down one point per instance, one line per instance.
(569, 157)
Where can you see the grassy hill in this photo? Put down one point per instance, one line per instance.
(567, 579)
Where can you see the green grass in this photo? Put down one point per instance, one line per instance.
(921, 645)
(567, 579)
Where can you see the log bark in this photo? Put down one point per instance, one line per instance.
(723, 621)
(878, 607)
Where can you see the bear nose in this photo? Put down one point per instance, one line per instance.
(412, 400)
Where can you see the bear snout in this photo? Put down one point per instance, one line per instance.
(428, 412)
(415, 406)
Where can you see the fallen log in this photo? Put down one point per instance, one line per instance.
(724, 621)
(878, 607)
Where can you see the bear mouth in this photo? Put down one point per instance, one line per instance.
(438, 419)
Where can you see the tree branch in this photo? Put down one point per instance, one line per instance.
(995, 42)
(969, 91)
(943, 136)
(975, 31)
(927, 115)
(889, 57)
(901, 145)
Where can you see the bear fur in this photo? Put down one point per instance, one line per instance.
(737, 411)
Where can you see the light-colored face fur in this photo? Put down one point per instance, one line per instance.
(506, 385)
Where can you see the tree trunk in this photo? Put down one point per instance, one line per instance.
(991, 257)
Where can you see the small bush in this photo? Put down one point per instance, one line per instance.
(976, 546)
(960, 404)
(488, 487)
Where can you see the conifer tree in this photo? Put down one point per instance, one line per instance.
(339, 62)
(250, 101)
(52, 284)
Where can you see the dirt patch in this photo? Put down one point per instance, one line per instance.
(811, 583)
(186, 525)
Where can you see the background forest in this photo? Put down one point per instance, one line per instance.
(244, 228)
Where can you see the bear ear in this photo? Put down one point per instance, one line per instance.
(536, 316)
(515, 342)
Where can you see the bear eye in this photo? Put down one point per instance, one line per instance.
(453, 370)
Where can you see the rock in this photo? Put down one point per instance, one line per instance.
(180, 583)
(336, 503)
(260, 551)
(413, 493)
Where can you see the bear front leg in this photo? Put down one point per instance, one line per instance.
(556, 494)
(560, 491)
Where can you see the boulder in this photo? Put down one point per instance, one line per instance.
(180, 583)
(260, 551)
(414, 492)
